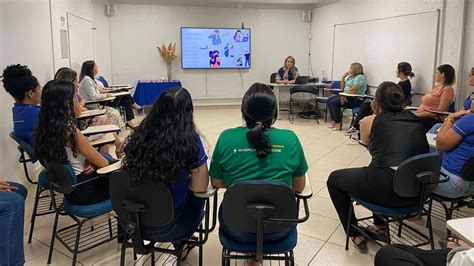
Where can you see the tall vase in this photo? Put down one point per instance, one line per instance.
(168, 71)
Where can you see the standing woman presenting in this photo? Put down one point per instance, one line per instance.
(288, 73)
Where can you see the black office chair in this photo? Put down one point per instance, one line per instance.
(79, 236)
(309, 108)
(150, 204)
(455, 204)
(416, 178)
(259, 208)
(273, 77)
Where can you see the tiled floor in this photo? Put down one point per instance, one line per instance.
(320, 239)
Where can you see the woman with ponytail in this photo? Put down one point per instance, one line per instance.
(258, 151)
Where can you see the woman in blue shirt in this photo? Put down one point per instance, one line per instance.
(353, 82)
(20, 83)
(165, 147)
(456, 139)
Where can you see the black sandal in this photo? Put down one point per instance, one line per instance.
(379, 233)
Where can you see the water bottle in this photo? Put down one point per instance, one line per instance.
(323, 77)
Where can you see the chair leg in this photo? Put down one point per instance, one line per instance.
(152, 258)
(76, 245)
(430, 230)
(33, 213)
(53, 236)
(200, 246)
(387, 226)
(123, 249)
(225, 260)
(400, 225)
(349, 224)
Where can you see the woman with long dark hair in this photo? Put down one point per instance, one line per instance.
(90, 91)
(57, 139)
(68, 74)
(382, 132)
(166, 148)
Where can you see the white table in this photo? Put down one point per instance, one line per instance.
(277, 87)
(101, 101)
(100, 129)
(463, 228)
(365, 96)
(106, 139)
(92, 113)
(121, 93)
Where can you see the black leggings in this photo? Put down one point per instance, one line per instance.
(89, 193)
(429, 122)
(364, 110)
(126, 101)
(371, 183)
(399, 255)
(334, 106)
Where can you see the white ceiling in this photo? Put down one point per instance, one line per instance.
(286, 4)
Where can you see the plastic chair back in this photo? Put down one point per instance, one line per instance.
(28, 148)
(273, 77)
(406, 183)
(61, 177)
(155, 199)
(241, 198)
(467, 171)
(103, 80)
(304, 88)
(452, 107)
(336, 84)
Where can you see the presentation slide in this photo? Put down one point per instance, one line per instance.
(215, 48)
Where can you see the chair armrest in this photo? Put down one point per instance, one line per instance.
(87, 181)
(209, 193)
(411, 108)
(429, 178)
(438, 112)
(307, 191)
(110, 168)
(109, 99)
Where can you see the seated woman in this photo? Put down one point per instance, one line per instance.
(374, 183)
(353, 81)
(57, 138)
(468, 101)
(12, 210)
(456, 140)
(70, 75)
(440, 97)
(90, 91)
(263, 152)
(20, 83)
(288, 73)
(152, 153)
(403, 73)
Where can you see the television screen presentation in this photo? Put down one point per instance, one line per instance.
(215, 48)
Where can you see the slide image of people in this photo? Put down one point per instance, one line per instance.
(228, 50)
(247, 58)
(238, 36)
(216, 39)
(215, 61)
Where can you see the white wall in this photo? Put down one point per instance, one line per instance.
(136, 30)
(25, 38)
(345, 11)
(468, 50)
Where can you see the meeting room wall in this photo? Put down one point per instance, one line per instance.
(346, 11)
(28, 37)
(136, 30)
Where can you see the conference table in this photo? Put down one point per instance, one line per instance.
(279, 86)
(148, 91)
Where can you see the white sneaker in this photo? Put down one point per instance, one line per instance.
(355, 138)
(351, 131)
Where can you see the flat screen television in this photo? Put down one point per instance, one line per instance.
(215, 48)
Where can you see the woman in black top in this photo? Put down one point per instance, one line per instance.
(403, 72)
(374, 183)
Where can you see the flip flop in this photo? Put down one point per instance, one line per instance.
(362, 242)
(377, 233)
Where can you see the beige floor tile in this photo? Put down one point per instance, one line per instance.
(306, 249)
(331, 254)
(322, 206)
(318, 227)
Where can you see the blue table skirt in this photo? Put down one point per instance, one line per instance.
(148, 91)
